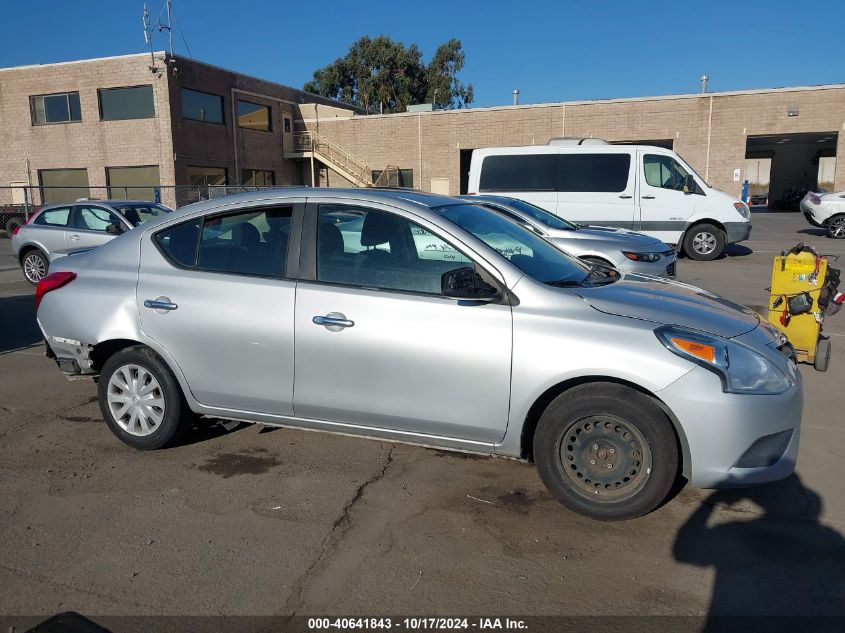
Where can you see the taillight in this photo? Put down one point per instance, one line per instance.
(815, 199)
(50, 282)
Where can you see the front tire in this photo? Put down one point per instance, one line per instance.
(606, 451)
(34, 266)
(704, 242)
(836, 227)
(140, 399)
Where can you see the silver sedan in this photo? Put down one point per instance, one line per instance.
(627, 251)
(418, 318)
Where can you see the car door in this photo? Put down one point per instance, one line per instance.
(597, 188)
(50, 227)
(88, 226)
(377, 345)
(664, 206)
(217, 292)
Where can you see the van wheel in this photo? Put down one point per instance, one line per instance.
(606, 451)
(704, 242)
(34, 266)
(836, 227)
(140, 399)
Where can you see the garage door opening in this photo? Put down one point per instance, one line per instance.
(782, 168)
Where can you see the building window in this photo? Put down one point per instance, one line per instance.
(117, 104)
(254, 116)
(202, 106)
(207, 176)
(257, 178)
(63, 185)
(132, 183)
(287, 124)
(404, 178)
(57, 108)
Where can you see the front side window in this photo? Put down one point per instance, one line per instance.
(663, 172)
(599, 173)
(519, 172)
(202, 106)
(374, 249)
(117, 104)
(527, 251)
(57, 108)
(140, 213)
(53, 217)
(254, 116)
(63, 185)
(93, 218)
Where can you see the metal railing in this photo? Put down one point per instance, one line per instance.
(335, 155)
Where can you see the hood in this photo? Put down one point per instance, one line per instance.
(672, 303)
(606, 234)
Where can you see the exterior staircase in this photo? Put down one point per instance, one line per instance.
(341, 160)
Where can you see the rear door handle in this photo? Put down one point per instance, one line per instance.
(73, 237)
(333, 321)
(162, 304)
(648, 197)
(625, 196)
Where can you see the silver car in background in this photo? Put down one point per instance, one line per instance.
(419, 318)
(56, 228)
(627, 251)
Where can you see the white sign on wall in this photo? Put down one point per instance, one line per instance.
(737, 175)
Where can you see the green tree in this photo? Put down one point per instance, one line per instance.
(380, 73)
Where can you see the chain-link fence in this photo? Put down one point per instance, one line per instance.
(17, 203)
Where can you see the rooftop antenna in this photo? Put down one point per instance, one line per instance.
(148, 40)
(704, 80)
(169, 28)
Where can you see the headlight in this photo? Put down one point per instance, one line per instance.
(741, 369)
(743, 209)
(641, 257)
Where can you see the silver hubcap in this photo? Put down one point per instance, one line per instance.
(704, 243)
(34, 268)
(837, 227)
(136, 400)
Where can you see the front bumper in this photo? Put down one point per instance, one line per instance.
(737, 231)
(720, 430)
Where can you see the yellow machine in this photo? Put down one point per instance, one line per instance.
(793, 275)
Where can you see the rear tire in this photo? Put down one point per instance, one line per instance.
(35, 266)
(606, 451)
(704, 242)
(822, 361)
(836, 227)
(140, 399)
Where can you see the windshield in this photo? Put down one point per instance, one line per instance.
(140, 213)
(542, 216)
(530, 253)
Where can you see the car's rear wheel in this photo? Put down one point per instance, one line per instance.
(836, 227)
(35, 266)
(606, 451)
(704, 242)
(140, 399)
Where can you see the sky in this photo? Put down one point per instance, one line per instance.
(551, 51)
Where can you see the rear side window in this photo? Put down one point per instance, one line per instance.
(519, 172)
(53, 217)
(179, 243)
(593, 172)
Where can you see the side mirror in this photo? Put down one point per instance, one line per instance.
(466, 283)
(689, 184)
(114, 229)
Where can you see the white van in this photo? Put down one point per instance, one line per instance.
(638, 187)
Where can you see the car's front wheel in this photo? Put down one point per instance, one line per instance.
(836, 226)
(35, 266)
(140, 399)
(606, 451)
(704, 242)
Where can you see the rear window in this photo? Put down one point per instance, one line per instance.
(53, 217)
(518, 172)
(179, 243)
(593, 172)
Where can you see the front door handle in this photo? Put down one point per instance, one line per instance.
(333, 321)
(648, 197)
(160, 304)
(625, 196)
(73, 237)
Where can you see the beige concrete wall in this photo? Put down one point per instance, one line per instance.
(713, 142)
(90, 143)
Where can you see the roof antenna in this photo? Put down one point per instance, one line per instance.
(148, 40)
(169, 28)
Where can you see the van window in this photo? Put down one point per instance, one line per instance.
(518, 172)
(593, 172)
(663, 172)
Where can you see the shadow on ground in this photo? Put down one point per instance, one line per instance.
(18, 328)
(781, 562)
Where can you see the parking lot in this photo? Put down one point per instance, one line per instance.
(260, 521)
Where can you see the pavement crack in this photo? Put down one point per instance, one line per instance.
(340, 527)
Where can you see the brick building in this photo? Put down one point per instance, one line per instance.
(136, 121)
